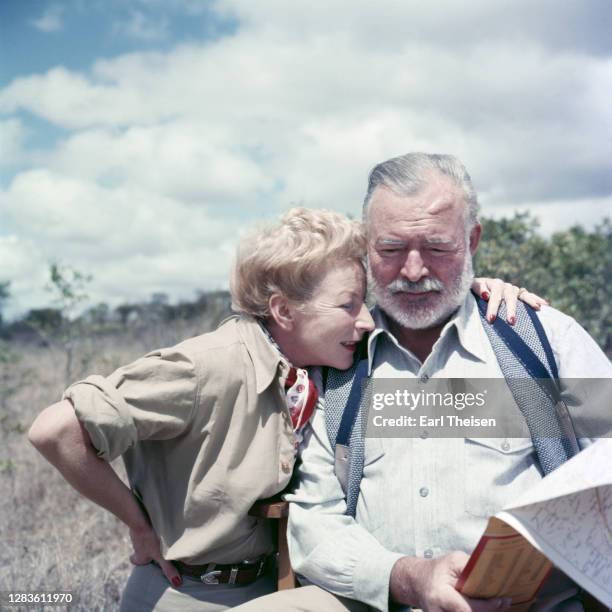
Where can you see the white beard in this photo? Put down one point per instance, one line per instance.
(424, 316)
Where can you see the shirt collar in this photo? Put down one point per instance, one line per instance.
(265, 357)
(470, 332)
(466, 320)
(381, 330)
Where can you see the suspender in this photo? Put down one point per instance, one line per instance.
(535, 368)
(557, 442)
(537, 324)
(551, 453)
(353, 403)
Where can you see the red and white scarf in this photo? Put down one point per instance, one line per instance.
(301, 392)
(301, 397)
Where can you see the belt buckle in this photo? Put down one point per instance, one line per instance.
(211, 576)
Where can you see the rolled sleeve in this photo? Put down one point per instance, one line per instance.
(151, 398)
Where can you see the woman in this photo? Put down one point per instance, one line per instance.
(209, 426)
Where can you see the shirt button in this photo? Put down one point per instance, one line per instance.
(285, 466)
(424, 435)
(423, 491)
(505, 446)
(428, 554)
(424, 378)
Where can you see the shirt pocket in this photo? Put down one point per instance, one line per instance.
(374, 489)
(497, 470)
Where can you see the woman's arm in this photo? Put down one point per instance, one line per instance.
(61, 438)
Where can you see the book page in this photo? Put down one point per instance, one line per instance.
(588, 469)
(575, 533)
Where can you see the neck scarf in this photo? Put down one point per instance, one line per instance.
(301, 392)
(301, 397)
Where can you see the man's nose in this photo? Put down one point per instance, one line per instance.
(365, 322)
(414, 268)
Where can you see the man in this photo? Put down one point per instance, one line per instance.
(423, 502)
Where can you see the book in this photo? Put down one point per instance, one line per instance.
(564, 521)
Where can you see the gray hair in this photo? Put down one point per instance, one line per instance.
(405, 176)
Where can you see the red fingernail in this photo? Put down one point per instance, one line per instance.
(176, 581)
(485, 295)
(512, 320)
(492, 318)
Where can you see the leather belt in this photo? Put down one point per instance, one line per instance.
(215, 573)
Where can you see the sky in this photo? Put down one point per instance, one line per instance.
(139, 139)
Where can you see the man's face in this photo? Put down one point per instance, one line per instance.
(420, 255)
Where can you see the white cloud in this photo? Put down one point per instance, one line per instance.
(12, 136)
(266, 96)
(50, 20)
(83, 217)
(72, 100)
(134, 242)
(452, 24)
(558, 215)
(25, 267)
(187, 160)
(168, 155)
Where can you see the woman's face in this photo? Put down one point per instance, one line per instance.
(328, 327)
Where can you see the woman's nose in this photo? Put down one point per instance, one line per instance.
(365, 320)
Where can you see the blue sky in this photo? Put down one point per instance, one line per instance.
(38, 34)
(139, 138)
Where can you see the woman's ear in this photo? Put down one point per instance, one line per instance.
(281, 311)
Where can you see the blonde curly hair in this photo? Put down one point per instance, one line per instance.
(290, 257)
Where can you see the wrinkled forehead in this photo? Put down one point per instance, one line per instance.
(438, 209)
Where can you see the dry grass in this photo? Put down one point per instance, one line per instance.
(52, 538)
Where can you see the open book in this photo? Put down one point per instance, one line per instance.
(566, 521)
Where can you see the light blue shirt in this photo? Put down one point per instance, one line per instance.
(422, 497)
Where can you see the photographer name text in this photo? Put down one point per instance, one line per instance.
(446, 420)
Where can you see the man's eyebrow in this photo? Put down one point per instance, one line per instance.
(438, 240)
(395, 242)
(390, 242)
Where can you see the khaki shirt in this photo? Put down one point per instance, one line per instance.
(204, 432)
